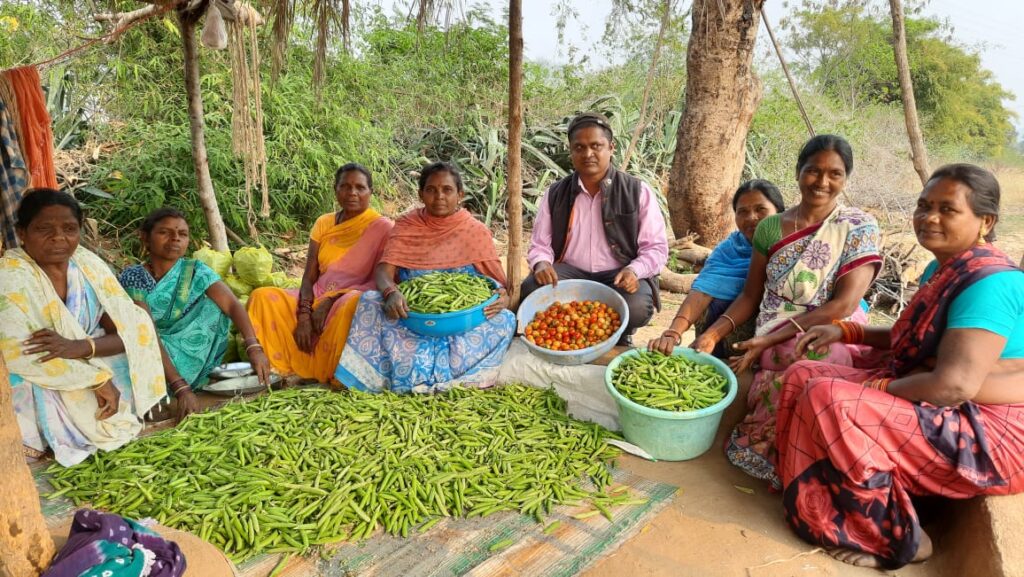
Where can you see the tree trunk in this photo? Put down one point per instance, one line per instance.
(514, 206)
(666, 19)
(26, 547)
(722, 93)
(918, 152)
(204, 185)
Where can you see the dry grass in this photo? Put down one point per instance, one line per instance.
(1011, 221)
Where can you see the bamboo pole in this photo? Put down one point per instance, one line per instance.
(207, 197)
(785, 69)
(26, 547)
(666, 19)
(919, 154)
(514, 206)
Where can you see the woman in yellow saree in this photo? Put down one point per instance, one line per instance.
(84, 360)
(304, 331)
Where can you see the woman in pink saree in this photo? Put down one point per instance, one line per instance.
(304, 331)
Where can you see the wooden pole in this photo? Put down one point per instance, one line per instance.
(918, 152)
(785, 69)
(207, 198)
(26, 547)
(666, 19)
(514, 206)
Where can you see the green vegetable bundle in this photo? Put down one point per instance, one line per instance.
(300, 468)
(220, 262)
(669, 383)
(445, 292)
(254, 265)
(237, 286)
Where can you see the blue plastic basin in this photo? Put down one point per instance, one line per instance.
(449, 324)
(672, 435)
(568, 291)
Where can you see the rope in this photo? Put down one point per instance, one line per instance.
(68, 54)
(247, 114)
(789, 77)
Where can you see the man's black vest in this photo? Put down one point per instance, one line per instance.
(620, 205)
(620, 214)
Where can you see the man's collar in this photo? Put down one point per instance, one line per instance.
(603, 183)
(583, 187)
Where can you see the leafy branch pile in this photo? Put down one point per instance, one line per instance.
(300, 468)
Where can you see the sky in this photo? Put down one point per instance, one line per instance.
(991, 26)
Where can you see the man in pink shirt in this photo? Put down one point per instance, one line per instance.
(600, 224)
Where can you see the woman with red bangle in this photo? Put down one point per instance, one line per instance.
(811, 264)
(944, 416)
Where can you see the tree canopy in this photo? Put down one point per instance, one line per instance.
(845, 50)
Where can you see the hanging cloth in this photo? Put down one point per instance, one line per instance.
(13, 172)
(7, 95)
(37, 136)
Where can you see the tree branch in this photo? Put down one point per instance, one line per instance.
(124, 19)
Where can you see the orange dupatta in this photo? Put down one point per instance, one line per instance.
(421, 241)
(36, 134)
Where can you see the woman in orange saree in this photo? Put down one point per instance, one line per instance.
(304, 331)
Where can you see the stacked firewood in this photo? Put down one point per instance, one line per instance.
(902, 265)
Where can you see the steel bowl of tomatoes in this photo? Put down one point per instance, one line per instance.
(573, 323)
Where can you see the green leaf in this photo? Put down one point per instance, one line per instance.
(172, 27)
(813, 356)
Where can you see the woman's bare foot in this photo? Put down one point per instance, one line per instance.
(862, 559)
(851, 557)
(924, 549)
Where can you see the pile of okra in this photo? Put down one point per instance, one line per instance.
(299, 468)
(669, 382)
(444, 292)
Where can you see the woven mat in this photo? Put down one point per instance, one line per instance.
(457, 547)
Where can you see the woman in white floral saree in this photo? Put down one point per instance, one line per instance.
(811, 266)
(84, 360)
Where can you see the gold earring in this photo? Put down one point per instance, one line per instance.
(981, 236)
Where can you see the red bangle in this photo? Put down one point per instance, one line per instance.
(853, 333)
(389, 291)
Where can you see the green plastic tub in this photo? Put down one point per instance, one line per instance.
(672, 435)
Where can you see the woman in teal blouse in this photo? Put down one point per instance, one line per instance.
(943, 417)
